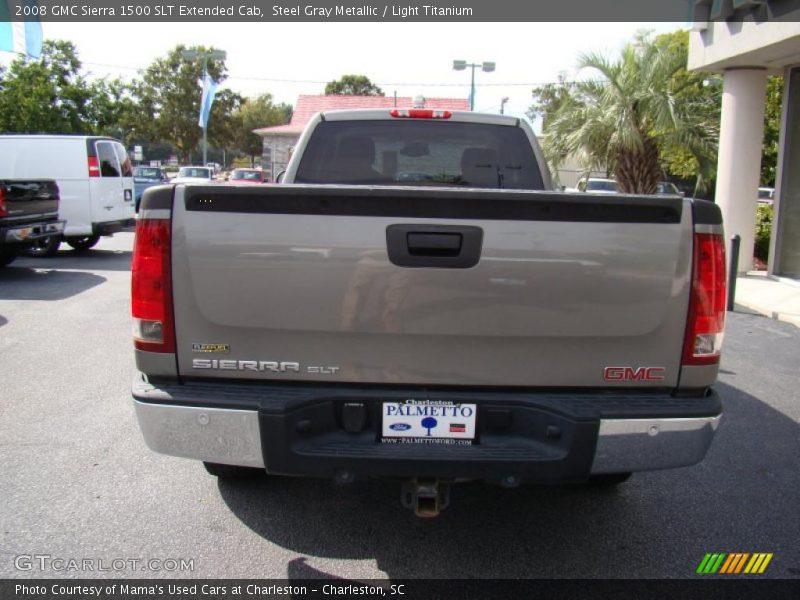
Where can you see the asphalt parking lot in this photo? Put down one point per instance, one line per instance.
(79, 482)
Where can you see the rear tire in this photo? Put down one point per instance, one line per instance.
(609, 479)
(83, 243)
(232, 471)
(6, 258)
(45, 247)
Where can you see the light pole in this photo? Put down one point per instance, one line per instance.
(460, 65)
(205, 54)
(503, 104)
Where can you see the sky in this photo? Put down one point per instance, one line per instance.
(289, 59)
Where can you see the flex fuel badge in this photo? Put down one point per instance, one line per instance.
(218, 348)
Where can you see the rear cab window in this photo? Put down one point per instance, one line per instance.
(420, 153)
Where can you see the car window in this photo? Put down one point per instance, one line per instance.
(247, 175)
(200, 172)
(109, 162)
(600, 185)
(124, 160)
(148, 172)
(423, 152)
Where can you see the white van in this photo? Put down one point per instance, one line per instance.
(94, 177)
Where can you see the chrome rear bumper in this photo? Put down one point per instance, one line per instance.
(233, 437)
(625, 445)
(225, 436)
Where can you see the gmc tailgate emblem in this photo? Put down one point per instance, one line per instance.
(633, 374)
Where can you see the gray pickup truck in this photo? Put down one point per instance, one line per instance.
(28, 212)
(416, 302)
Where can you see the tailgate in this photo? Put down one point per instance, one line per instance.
(428, 286)
(28, 200)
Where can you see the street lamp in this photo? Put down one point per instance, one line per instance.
(205, 55)
(460, 65)
(503, 104)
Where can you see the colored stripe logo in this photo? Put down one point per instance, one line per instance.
(734, 563)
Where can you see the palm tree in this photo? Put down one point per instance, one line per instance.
(644, 102)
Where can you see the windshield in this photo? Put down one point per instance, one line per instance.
(601, 185)
(200, 172)
(147, 172)
(423, 152)
(246, 175)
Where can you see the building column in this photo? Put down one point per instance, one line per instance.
(739, 161)
(784, 247)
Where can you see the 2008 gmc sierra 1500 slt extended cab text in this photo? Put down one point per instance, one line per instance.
(416, 302)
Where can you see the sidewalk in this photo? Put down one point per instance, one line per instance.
(775, 298)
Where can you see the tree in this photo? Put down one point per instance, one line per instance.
(50, 95)
(255, 113)
(702, 93)
(114, 110)
(549, 99)
(169, 101)
(772, 127)
(226, 124)
(643, 105)
(353, 85)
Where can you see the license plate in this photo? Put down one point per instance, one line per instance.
(415, 421)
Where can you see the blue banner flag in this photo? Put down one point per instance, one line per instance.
(209, 91)
(21, 37)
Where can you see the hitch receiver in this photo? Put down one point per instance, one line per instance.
(426, 497)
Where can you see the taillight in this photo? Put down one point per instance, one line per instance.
(420, 113)
(706, 320)
(94, 167)
(3, 209)
(151, 289)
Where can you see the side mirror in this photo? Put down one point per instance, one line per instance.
(279, 178)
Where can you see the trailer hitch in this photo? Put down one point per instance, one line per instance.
(426, 497)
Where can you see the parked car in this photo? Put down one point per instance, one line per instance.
(668, 188)
(94, 178)
(246, 176)
(597, 185)
(194, 175)
(145, 177)
(766, 195)
(28, 212)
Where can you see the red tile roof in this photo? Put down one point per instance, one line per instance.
(308, 106)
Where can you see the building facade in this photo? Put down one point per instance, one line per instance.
(747, 40)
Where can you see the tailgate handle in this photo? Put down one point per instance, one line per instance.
(434, 244)
(443, 246)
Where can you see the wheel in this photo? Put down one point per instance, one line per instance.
(609, 479)
(84, 242)
(45, 247)
(7, 257)
(231, 471)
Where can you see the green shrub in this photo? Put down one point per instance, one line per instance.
(763, 230)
